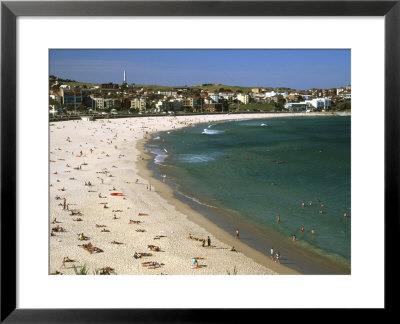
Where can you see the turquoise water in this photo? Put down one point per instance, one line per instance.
(258, 169)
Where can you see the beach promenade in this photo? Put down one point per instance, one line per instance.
(109, 214)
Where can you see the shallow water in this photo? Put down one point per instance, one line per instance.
(255, 170)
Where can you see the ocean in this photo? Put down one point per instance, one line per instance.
(252, 171)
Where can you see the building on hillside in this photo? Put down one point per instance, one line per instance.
(243, 98)
(320, 103)
(172, 105)
(109, 85)
(139, 104)
(98, 103)
(70, 97)
(296, 106)
(108, 103)
(214, 97)
(214, 107)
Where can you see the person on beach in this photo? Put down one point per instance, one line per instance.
(310, 203)
(312, 231)
(195, 263)
(293, 237)
(65, 204)
(272, 253)
(237, 233)
(277, 257)
(302, 229)
(203, 243)
(208, 241)
(302, 204)
(278, 219)
(164, 177)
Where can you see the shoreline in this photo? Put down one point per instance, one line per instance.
(167, 193)
(299, 262)
(114, 148)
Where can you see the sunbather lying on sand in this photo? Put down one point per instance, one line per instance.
(100, 225)
(157, 237)
(105, 271)
(140, 230)
(77, 219)
(152, 264)
(143, 214)
(131, 221)
(154, 248)
(115, 242)
(90, 248)
(105, 230)
(58, 229)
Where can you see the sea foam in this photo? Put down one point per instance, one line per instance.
(211, 131)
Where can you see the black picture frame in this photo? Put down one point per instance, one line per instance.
(10, 10)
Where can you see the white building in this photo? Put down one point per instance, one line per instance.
(296, 106)
(320, 103)
(139, 104)
(243, 98)
(98, 103)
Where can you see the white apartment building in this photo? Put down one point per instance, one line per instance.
(243, 98)
(320, 103)
(98, 103)
(139, 104)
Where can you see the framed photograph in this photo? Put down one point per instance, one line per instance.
(228, 156)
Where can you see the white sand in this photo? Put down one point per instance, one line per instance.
(114, 143)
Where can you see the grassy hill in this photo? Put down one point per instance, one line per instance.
(212, 87)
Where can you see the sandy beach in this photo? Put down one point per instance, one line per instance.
(105, 206)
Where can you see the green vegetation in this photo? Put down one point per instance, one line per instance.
(80, 270)
(235, 272)
(252, 107)
(344, 105)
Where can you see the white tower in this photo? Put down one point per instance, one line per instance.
(124, 76)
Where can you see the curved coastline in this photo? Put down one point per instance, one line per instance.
(168, 193)
(112, 146)
(222, 226)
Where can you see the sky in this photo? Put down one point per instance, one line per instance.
(297, 69)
